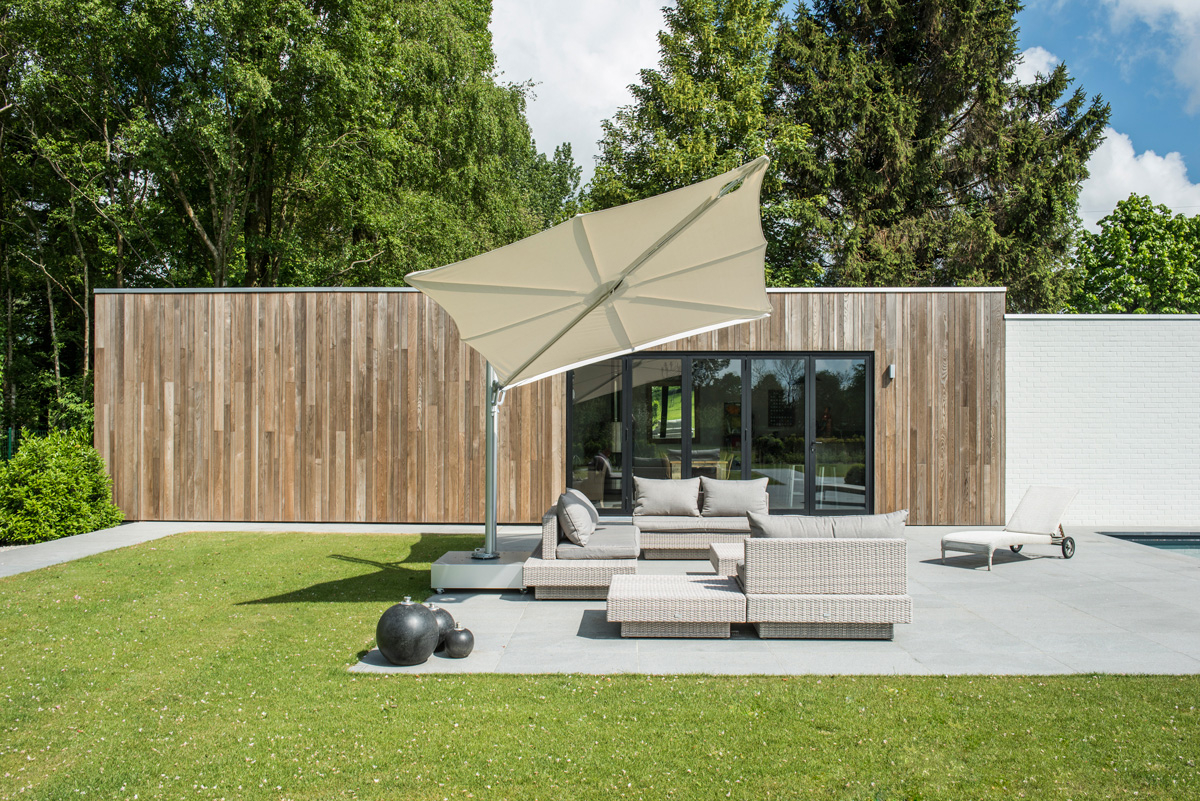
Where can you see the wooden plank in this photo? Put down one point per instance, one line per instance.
(368, 406)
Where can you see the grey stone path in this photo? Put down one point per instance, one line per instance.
(1117, 607)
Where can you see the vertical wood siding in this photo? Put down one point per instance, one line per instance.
(367, 407)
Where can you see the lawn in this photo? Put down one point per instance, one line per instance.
(214, 666)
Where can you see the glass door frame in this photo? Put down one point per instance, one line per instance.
(810, 426)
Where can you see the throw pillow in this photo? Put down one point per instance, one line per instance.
(733, 498)
(782, 526)
(575, 519)
(586, 501)
(888, 526)
(667, 496)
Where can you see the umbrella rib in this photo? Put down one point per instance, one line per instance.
(675, 231)
(684, 270)
(519, 323)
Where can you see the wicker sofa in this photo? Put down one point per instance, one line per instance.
(561, 570)
(685, 529)
(847, 585)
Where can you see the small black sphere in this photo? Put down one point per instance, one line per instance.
(407, 633)
(445, 624)
(459, 642)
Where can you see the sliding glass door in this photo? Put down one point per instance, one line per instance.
(802, 421)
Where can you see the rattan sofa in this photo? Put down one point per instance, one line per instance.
(613, 551)
(687, 536)
(801, 587)
(826, 588)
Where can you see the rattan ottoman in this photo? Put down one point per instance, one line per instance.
(724, 556)
(574, 579)
(675, 606)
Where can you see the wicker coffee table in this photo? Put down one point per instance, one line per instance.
(724, 557)
(675, 606)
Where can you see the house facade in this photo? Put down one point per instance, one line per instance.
(365, 406)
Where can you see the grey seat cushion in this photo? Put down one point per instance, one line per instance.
(606, 542)
(577, 517)
(889, 525)
(733, 498)
(667, 524)
(786, 526)
(666, 496)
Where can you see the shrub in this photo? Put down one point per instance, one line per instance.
(857, 475)
(54, 486)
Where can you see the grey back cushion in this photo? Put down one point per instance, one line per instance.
(733, 498)
(890, 525)
(670, 496)
(786, 526)
(577, 517)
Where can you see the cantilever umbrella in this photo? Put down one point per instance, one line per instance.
(607, 283)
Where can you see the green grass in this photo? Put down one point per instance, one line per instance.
(214, 666)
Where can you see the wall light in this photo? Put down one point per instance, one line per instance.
(891, 372)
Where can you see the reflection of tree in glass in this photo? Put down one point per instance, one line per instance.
(785, 374)
(708, 372)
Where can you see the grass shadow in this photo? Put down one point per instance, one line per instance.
(387, 582)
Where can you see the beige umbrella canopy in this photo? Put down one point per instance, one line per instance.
(607, 283)
(612, 281)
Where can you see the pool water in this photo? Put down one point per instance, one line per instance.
(1185, 542)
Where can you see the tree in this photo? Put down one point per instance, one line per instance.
(934, 166)
(1143, 261)
(702, 112)
(150, 143)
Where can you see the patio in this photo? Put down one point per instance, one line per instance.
(1116, 607)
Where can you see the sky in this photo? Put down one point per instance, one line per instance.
(1141, 56)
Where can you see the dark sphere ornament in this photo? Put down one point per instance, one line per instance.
(459, 642)
(445, 624)
(407, 633)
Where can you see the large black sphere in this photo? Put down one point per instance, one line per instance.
(445, 624)
(459, 642)
(407, 633)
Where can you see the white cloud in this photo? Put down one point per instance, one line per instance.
(1118, 171)
(1179, 23)
(583, 57)
(1034, 62)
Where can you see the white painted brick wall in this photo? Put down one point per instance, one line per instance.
(1110, 405)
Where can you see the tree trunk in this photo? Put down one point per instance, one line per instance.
(53, 340)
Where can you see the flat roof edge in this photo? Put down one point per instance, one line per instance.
(1096, 318)
(374, 289)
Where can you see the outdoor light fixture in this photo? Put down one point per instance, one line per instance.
(891, 372)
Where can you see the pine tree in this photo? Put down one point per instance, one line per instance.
(933, 165)
(702, 111)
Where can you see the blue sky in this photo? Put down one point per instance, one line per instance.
(1142, 56)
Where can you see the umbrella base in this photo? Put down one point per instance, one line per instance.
(460, 570)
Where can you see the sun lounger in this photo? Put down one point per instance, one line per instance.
(1035, 522)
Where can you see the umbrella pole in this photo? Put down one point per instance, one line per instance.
(488, 551)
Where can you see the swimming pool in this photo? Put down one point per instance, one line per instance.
(1186, 542)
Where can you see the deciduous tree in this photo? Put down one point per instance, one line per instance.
(1144, 260)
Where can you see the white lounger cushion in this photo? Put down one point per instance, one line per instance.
(993, 539)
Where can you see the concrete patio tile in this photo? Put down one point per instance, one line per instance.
(731, 660)
(1009, 664)
(1160, 663)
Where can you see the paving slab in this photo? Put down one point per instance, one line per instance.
(1117, 606)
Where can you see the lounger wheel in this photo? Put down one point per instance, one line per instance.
(440, 590)
(1015, 548)
(1068, 547)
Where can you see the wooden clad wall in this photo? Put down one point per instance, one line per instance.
(366, 407)
(939, 425)
(309, 406)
